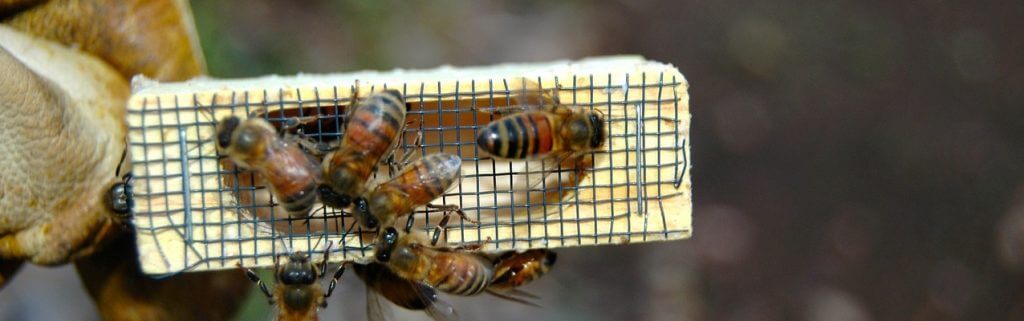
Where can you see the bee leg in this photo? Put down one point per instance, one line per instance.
(294, 122)
(310, 146)
(409, 222)
(441, 227)
(407, 153)
(353, 100)
(473, 247)
(327, 254)
(450, 208)
(334, 280)
(256, 279)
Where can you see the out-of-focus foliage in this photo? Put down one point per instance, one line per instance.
(852, 160)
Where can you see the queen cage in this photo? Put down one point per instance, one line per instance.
(195, 211)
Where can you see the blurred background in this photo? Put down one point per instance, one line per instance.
(853, 160)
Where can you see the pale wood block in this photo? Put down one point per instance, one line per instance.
(196, 212)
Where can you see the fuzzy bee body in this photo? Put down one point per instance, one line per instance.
(545, 128)
(297, 293)
(455, 272)
(290, 174)
(537, 134)
(514, 269)
(371, 132)
(414, 185)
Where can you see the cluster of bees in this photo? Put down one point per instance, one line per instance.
(407, 269)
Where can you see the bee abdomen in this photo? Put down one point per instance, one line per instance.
(299, 204)
(375, 124)
(472, 277)
(518, 136)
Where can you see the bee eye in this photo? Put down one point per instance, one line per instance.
(293, 275)
(598, 137)
(227, 128)
(118, 199)
(386, 244)
(363, 212)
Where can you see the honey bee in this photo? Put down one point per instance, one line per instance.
(296, 288)
(547, 127)
(414, 185)
(254, 144)
(381, 282)
(371, 132)
(120, 199)
(452, 271)
(514, 269)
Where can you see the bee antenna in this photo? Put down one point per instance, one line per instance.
(124, 155)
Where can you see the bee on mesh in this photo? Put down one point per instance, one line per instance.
(544, 128)
(297, 294)
(372, 131)
(290, 173)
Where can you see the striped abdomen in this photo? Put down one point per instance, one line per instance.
(459, 273)
(371, 131)
(292, 177)
(415, 185)
(521, 136)
(514, 269)
(374, 124)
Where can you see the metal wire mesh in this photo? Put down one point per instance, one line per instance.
(200, 213)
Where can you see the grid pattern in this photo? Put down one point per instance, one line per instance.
(195, 211)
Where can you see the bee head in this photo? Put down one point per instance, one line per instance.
(225, 129)
(364, 215)
(597, 124)
(120, 200)
(386, 244)
(297, 271)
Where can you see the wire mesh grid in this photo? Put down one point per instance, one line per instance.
(196, 211)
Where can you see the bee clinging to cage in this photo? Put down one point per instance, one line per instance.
(414, 185)
(453, 271)
(297, 293)
(289, 172)
(545, 128)
(382, 282)
(513, 269)
(372, 131)
(119, 197)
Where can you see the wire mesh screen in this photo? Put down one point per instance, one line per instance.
(196, 211)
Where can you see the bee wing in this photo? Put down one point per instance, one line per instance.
(523, 94)
(436, 308)
(273, 313)
(427, 178)
(561, 174)
(442, 311)
(516, 295)
(422, 296)
(376, 310)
